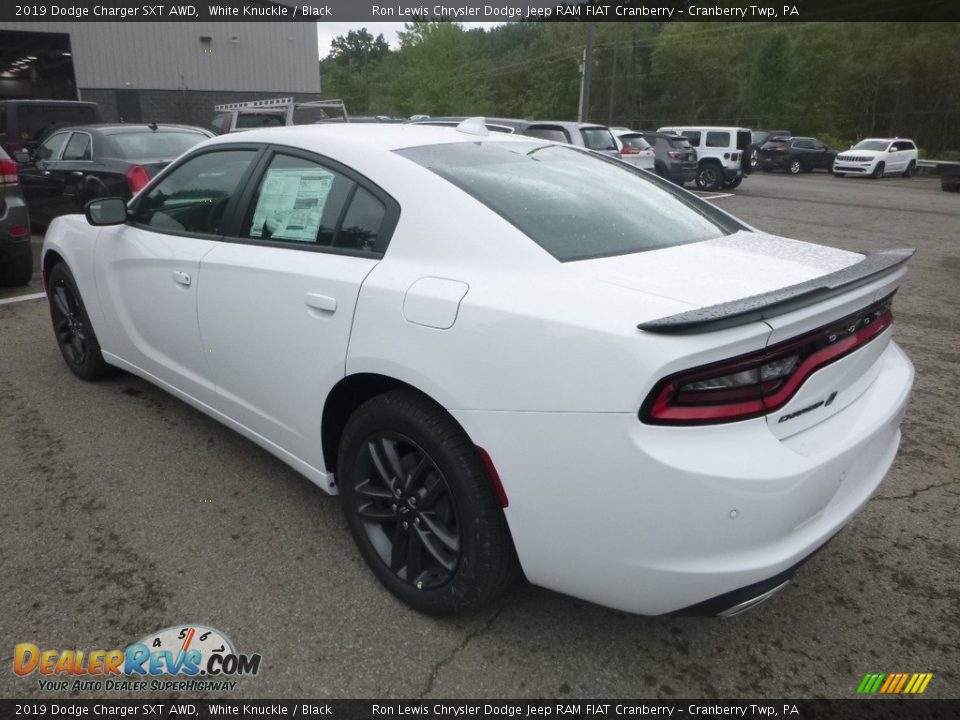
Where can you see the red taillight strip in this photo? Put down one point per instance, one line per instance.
(663, 412)
(494, 476)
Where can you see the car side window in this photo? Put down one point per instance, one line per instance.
(803, 144)
(194, 197)
(78, 148)
(693, 136)
(297, 201)
(717, 138)
(52, 146)
(360, 229)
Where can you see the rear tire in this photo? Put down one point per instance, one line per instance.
(911, 170)
(71, 326)
(421, 506)
(731, 184)
(19, 271)
(709, 177)
(795, 167)
(878, 171)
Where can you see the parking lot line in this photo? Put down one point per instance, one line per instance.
(23, 298)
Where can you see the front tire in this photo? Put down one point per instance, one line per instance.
(731, 184)
(709, 177)
(878, 171)
(421, 506)
(71, 324)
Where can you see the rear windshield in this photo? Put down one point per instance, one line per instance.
(160, 144)
(36, 121)
(573, 204)
(636, 141)
(599, 138)
(247, 120)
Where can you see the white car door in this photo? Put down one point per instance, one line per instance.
(895, 159)
(147, 270)
(277, 296)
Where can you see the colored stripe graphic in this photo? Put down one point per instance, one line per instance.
(894, 683)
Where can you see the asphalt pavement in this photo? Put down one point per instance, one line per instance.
(123, 511)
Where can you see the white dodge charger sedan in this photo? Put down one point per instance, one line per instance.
(505, 355)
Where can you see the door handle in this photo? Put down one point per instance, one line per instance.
(181, 278)
(46, 172)
(325, 303)
(77, 173)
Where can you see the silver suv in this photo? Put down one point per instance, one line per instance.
(16, 259)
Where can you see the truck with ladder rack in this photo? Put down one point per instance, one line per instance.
(277, 112)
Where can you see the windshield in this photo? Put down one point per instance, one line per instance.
(878, 145)
(598, 138)
(635, 140)
(156, 144)
(573, 204)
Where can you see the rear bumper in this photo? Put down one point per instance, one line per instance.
(605, 508)
(681, 172)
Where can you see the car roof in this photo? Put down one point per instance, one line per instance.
(380, 136)
(118, 128)
(722, 128)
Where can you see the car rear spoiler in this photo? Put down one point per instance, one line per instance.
(778, 302)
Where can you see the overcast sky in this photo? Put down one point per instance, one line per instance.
(326, 32)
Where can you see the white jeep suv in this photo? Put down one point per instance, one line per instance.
(721, 154)
(877, 157)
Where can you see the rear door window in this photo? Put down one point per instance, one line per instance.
(78, 148)
(718, 139)
(598, 138)
(35, 121)
(693, 136)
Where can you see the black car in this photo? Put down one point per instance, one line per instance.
(76, 164)
(25, 123)
(676, 160)
(795, 155)
(16, 259)
(950, 177)
(758, 138)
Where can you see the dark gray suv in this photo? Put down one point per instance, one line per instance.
(675, 159)
(16, 258)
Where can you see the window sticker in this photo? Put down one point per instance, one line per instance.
(290, 204)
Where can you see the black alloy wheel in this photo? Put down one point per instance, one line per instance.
(71, 324)
(422, 507)
(407, 511)
(709, 177)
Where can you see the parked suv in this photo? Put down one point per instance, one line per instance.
(795, 155)
(16, 259)
(759, 137)
(722, 154)
(25, 123)
(635, 149)
(877, 157)
(674, 159)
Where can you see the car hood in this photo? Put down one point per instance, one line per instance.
(863, 153)
(716, 271)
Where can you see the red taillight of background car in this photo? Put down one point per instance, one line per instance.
(8, 173)
(673, 155)
(761, 382)
(18, 231)
(137, 178)
(630, 150)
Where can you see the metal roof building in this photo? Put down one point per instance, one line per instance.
(159, 71)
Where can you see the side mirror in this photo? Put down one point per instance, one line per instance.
(21, 156)
(106, 211)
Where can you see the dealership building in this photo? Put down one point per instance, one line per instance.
(159, 71)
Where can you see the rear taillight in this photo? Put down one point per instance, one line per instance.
(734, 156)
(630, 150)
(761, 382)
(673, 155)
(8, 173)
(137, 178)
(18, 231)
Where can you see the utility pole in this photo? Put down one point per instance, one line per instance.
(613, 76)
(585, 68)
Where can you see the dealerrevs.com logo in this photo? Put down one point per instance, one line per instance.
(196, 657)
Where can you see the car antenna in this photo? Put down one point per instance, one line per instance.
(474, 126)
